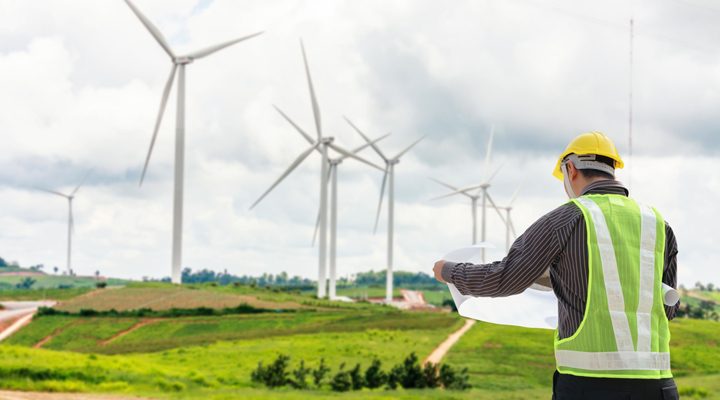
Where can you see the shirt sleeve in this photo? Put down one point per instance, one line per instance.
(670, 269)
(529, 257)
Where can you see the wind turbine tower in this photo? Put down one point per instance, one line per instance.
(179, 62)
(390, 163)
(321, 144)
(71, 220)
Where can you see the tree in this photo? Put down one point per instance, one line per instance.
(319, 373)
(300, 374)
(56, 269)
(374, 376)
(356, 378)
(699, 286)
(341, 382)
(710, 286)
(26, 283)
(3, 263)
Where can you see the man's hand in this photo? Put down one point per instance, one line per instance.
(437, 270)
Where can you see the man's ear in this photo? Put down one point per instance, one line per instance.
(571, 170)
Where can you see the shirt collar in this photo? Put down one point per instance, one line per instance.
(607, 186)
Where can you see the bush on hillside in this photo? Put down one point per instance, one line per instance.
(408, 375)
(341, 382)
(319, 373)
(101, 285)
(374, 376)
(25, 283)
(170, 313)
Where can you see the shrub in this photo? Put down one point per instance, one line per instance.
(101, 285)
(341, 382)
(356, 377)
(394, 377)
(275, 374)
(319, 373)
(411, 375)
(453, 380)
(299, 376)
(374, 376)
(431, 375)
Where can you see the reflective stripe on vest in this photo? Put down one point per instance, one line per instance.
(629, 359)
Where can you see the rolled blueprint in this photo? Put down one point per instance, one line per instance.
(533, 308)
(670, 295)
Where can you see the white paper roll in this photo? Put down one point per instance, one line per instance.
(670, 295)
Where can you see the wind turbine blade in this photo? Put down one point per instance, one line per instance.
(512, 227)
(317, 221)
(212, 49)
(366, 145)
(459, 191)
(81, 183)
(382, 194)
(495, 173)
(163, 103)
(152, 28)
(287, 172)
(347, 153)
(313, 98)
(496, 208)
(409, 147)
(296, 126)
(53, 192)
(515, 194)
(449, 186)
(377, 149)
(488, 152)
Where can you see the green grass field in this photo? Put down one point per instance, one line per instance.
(212, 357)
(505, 363)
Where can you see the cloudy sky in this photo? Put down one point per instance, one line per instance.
(80, 83)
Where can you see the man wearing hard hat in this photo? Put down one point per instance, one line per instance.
(607, 256)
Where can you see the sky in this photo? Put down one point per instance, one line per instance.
(81, 83)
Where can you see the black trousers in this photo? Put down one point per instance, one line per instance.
(570, 387)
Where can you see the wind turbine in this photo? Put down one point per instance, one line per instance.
(178, 65)
(389, 175)
(475, 191)
(332, 178)
(509, 228)
(71, 220)
(320, 144)
(473, 204)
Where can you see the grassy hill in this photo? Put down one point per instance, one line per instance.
(212, 356)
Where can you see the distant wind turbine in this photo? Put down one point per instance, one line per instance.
(389, 175)
(71, 219)
(474, 192)
(321, 144)
(509, 227)
(332, 178)
(179, 62)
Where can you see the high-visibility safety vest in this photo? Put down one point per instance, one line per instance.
(624, 332)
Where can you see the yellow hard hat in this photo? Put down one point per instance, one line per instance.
(589, 143)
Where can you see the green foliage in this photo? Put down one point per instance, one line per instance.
(101, 285)
(356, 378)
(454, 380)
(147, 312)
(374, 375)
(341, 382)
(26, 283)
(300, 374)
(431, 375)
(319, 373)
(275, 374)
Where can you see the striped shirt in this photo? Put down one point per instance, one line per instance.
(556, 242)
